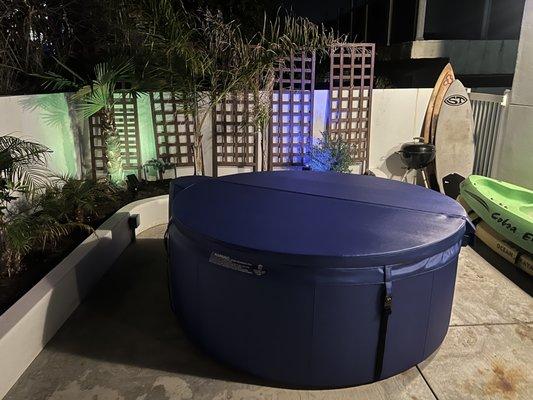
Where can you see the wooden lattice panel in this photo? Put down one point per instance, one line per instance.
(291, 122)
(98, 156)
(234, 132)
(173, 129)
(126, 121)
(350, 93)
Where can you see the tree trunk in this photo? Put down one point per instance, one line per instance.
(112, 145)
(264, 148)
(198, 156)
(198, 153)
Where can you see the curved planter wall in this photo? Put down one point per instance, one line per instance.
(33, 320)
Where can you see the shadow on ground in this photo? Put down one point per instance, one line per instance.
(127, 320)
(511, 271)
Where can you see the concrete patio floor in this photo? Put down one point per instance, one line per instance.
(124, 343)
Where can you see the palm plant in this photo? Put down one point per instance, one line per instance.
(29, 229)
(62, 207)
(82, 201)
(226, 63)
(22, 168)
(207, 58)
(22, 171)
(15, 242)
(95, 95)
(31, 31)
(25, 225)
(278, 39)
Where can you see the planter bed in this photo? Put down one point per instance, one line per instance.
(32, 321)
(39, 263)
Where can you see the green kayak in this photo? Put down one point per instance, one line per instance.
(507, 208)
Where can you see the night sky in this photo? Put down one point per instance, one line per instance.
(318, 10)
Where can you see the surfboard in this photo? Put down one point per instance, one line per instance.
(444, 81)
(454, 135)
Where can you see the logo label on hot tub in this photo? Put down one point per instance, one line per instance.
(236, 265)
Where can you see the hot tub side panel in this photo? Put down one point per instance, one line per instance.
(348, 317)
(441, 306)
(345, 336)
(420, 316)
(315, 327)
(257, 323)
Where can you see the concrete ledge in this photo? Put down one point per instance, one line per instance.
(33, 320)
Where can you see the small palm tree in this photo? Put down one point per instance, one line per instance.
(77, 200)
(22, 168)
(95, 95)
(23, 226)
(28, 229)
(205, 58)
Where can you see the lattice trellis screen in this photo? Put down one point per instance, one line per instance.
(173, 129)
(125, 110)
(235, 134)
(350, 93)
(98, 157)
(291, 122)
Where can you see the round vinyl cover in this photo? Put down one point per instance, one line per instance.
(321, 219)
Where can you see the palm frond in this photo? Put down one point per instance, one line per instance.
(97, 99)
(23, 163)
(54, 81)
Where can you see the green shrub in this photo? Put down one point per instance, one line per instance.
(83, 201)
(331, 153)
(38, 212)
(30, 229)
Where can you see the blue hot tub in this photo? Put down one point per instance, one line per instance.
(313, 279)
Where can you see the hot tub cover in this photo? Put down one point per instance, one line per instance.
(326, 219)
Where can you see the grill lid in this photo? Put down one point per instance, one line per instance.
(418, 146)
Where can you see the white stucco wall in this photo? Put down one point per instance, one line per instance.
(514, 161)
(397, 116)
(45, 119)
(33, 320)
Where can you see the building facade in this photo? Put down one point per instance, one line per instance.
(416, 38)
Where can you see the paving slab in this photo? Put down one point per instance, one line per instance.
(483, 295)
(483, 362)
(110, 381)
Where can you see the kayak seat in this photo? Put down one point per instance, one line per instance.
(496, 190)
(527, 210)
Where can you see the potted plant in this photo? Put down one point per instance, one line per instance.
(158, 165)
